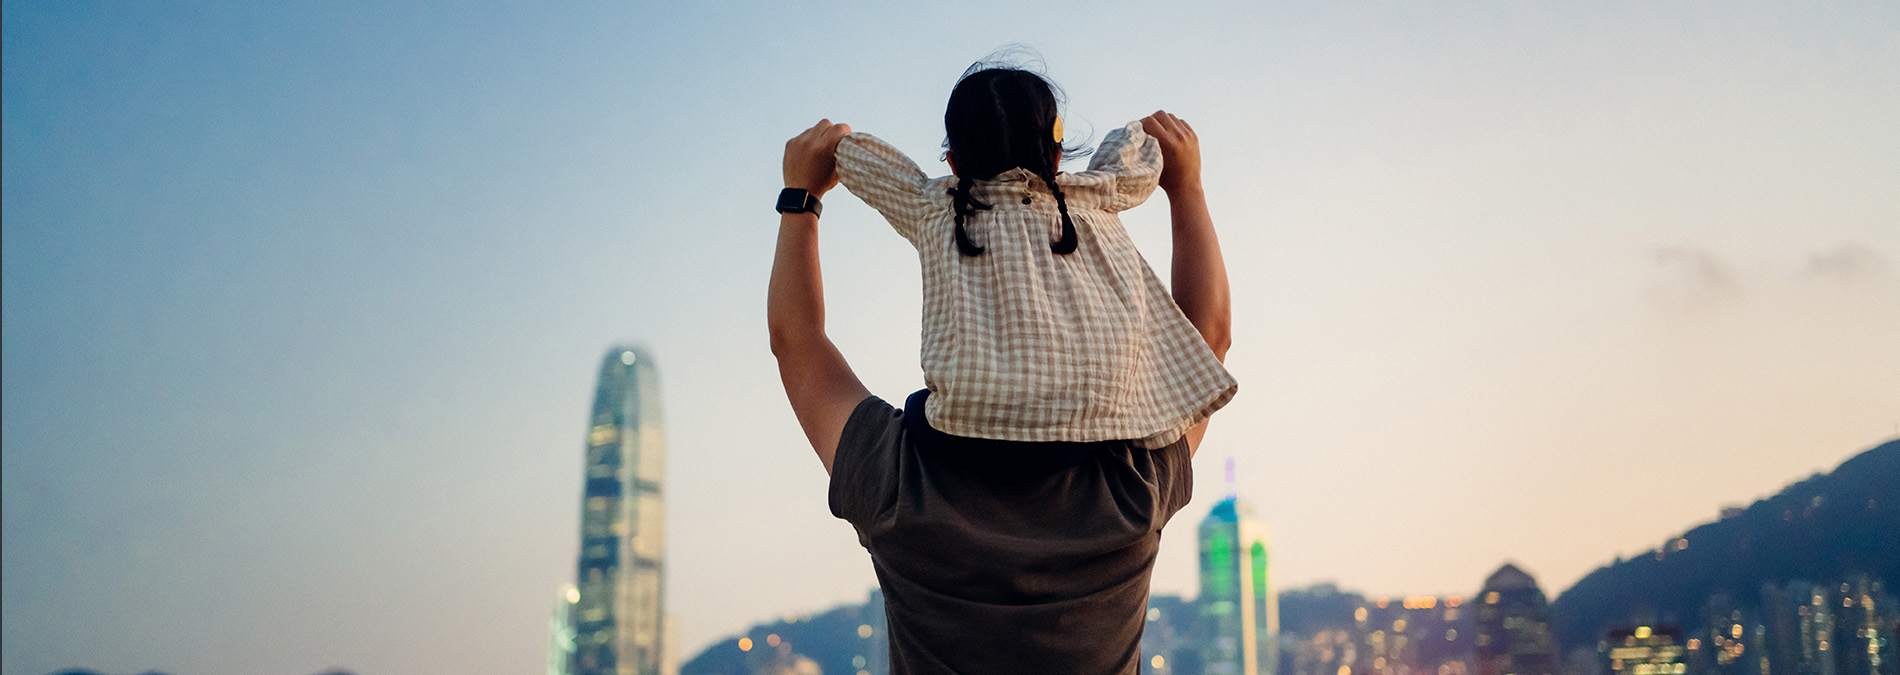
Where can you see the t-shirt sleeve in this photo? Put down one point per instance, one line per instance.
(886, 179)
(863, 480)
(1133, 158)
(1174, 471)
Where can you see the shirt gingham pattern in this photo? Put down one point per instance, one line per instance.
(1022, 344)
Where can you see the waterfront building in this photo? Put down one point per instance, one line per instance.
(1513, 626)
(1817, 633)
(1645, 650)
(1849, 628)
(619, 612)
(1869, 614)
(1171, 638)
(1328, 632)
(1414, 635)
(1239, 610)
(1733, 640)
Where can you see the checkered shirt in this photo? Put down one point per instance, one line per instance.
(1022, 344)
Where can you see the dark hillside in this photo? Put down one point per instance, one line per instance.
(1829, 528)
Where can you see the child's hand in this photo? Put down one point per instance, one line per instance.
(1180, 150)
(811, 157)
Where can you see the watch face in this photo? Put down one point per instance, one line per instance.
(792, 200)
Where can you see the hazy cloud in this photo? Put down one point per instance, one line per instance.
(1694, 276)
(1848, 263)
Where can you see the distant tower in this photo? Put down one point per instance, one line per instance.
(1239, 611)
(1514, 626)
(619, 614)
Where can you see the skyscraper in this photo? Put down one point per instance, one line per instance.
(1514, 626)
(619, 614)
(1239, 610)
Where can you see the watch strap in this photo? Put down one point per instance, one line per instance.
(798, 200)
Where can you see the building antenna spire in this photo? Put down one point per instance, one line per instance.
(1230, 478)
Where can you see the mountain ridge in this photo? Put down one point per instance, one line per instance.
(1826, 528)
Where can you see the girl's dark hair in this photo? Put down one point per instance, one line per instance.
(1003, 117)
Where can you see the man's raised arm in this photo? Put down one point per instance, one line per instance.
(818, 382)
(1198, 275)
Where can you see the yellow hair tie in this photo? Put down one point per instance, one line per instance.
(1058, 130)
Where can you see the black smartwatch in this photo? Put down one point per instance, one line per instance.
(798, 200)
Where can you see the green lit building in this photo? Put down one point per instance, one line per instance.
(1240, 614)
(618, 617)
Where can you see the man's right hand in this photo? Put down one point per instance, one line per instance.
(811, 157)
(1180, 151)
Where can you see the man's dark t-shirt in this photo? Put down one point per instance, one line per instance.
(1004, 557)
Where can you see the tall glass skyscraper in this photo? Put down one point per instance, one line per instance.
(618, 614)
(1239, 610)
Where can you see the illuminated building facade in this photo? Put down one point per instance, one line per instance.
(1171, 637)
(1868, 612)
(1513, 626)
(618, 612)
(1327, 632)
(1239, 611)
(1799, 628)
(1417, 634)
(1849, 628)
(1644, 650)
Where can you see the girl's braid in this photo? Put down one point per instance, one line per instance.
(1066, 244)
(965, 205)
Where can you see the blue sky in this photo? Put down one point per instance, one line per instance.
(302, 303)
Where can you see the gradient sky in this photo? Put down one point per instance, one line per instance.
(302, 303)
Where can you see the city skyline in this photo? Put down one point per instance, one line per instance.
(301, 302)
(1504, 626)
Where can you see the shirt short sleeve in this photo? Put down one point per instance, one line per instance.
(885, 178)
(1134, 159)
(863, 471)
